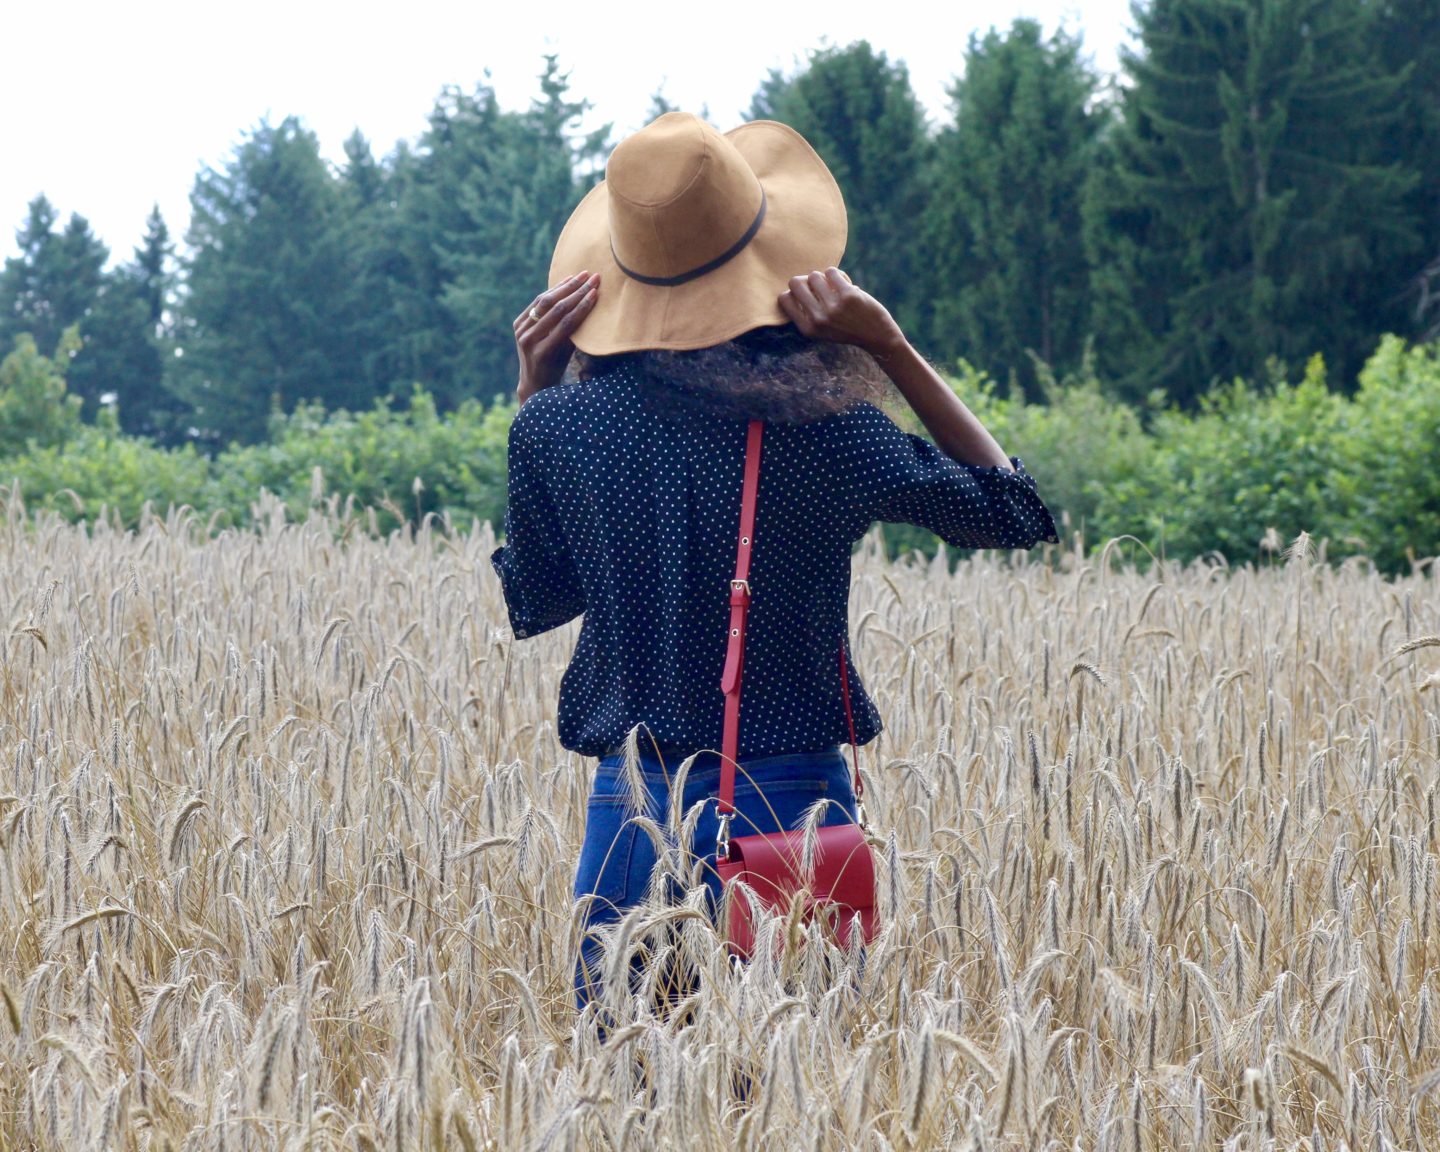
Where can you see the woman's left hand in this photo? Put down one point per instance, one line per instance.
(829, 306)
(543, 331)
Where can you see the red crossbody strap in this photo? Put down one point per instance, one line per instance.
(739, 610)
(850, 721)
(735, 651)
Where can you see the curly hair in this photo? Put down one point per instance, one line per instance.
(775, 374)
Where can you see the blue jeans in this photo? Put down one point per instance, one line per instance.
(618, 858)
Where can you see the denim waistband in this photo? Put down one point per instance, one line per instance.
(674, 754)
(649, 749)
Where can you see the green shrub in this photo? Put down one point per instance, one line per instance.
(1388, 497)
(99, 470)
(1079, 444)
(1252, 464)
(407, 463)
(34, 408)
(1249, 461)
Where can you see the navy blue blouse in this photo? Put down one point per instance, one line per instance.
(631, 518)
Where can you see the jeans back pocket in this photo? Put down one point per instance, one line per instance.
(604, 868)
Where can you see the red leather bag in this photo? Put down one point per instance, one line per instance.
(766, 872)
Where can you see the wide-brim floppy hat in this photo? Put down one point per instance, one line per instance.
(696, 233)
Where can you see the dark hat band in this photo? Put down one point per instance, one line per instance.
(695, 273)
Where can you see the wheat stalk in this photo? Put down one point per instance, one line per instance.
(1102, 910)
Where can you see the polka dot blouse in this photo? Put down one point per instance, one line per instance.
(631, 519)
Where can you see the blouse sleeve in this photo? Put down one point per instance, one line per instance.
(888, 474)
(542, 588)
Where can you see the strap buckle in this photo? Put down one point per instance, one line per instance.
(739, 591)
(722, 838)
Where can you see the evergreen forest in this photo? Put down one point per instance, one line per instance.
(1246, 221)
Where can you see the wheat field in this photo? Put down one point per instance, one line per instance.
(287, 839)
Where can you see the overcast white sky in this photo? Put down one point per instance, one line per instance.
(109, 106)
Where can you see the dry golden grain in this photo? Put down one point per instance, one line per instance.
(1218, 852)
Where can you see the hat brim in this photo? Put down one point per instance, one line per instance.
(804, 229)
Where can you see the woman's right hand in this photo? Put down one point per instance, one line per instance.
(829, 306)
(543, 331)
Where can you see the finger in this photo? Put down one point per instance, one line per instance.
(804, 296)
(547, 299)
(551, 332)
(792, 309)
(530, 315)
(567, 287)
(576, 315)
(837, 277)
(566, 304)
(550, 355)
(804, 321)
(825, 292)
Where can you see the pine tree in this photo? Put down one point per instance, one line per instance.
(59, 283)
(362, 178)
(54, 281)
(24, 302)
(125, 339)
(861, 115)
(482, 200)
(1407, 38)
(1003, 223)
(152, 268)
(370, 228)
(118, 361)
(262, 322)
(1244, 211)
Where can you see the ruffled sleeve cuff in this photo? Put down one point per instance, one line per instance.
(1019, 518)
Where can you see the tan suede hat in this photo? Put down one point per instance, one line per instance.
(695, 234)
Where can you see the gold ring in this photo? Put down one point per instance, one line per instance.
(534, 314)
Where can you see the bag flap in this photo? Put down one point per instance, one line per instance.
(844, 864)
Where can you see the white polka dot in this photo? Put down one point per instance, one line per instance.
(632, 519)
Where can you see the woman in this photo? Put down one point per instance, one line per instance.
(699, 280)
